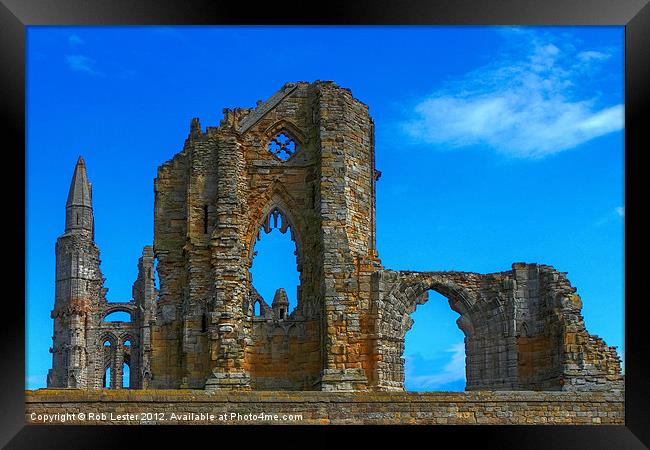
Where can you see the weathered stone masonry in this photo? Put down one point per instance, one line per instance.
(191, 407)
(302, 162)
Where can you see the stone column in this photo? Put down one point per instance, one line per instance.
(227, 327)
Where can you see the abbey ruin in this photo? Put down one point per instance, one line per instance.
(302, 162)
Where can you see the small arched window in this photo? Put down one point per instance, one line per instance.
(126, 375)
(257, 312)
(107, 343)
(106, 382)
(127, 343)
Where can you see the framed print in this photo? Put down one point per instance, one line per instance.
(376, 216)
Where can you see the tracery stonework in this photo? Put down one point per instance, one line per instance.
(302, 162)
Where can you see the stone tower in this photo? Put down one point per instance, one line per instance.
(302, 162)
(78, 286)
(90, 352)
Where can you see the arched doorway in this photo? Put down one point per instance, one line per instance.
(434, 348)
(407, 292)
(490, 348)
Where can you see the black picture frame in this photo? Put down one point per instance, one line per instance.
(16, 15)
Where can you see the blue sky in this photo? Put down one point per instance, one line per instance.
(497, 145)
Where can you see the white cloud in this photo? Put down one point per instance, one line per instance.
(590, 54)
(73, 40)
(612, 215)
(522, 106)
(454, 370)
(81, 63)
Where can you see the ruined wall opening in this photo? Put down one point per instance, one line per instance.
(117, 316)
(106, 381)
(126, 375)
(434, 348)
(275, 264)
(156, 279)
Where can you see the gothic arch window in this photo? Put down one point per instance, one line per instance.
(282, 145)
(106, 381)
(126, 375)
(274, 262)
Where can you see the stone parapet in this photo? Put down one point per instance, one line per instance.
(274, 407)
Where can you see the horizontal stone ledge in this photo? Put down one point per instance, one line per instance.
(200, 396)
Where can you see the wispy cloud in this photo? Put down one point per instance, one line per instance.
(81, 63)
(74, 40)
(525, 103)
(614, 214)
(452, 371)
(591, 54)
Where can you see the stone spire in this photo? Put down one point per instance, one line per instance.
(79, 208)
(280, 304)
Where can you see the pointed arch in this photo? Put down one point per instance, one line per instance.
(108, 337)
(276, 197)
(284, 125)
(128, 336)
(409, 290)
(412, 291)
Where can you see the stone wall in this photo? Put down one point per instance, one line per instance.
(222, 407)
(285, 355)
(523, 329)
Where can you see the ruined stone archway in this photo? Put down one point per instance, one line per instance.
(434, 348)
(483, 320)
(394, 318)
